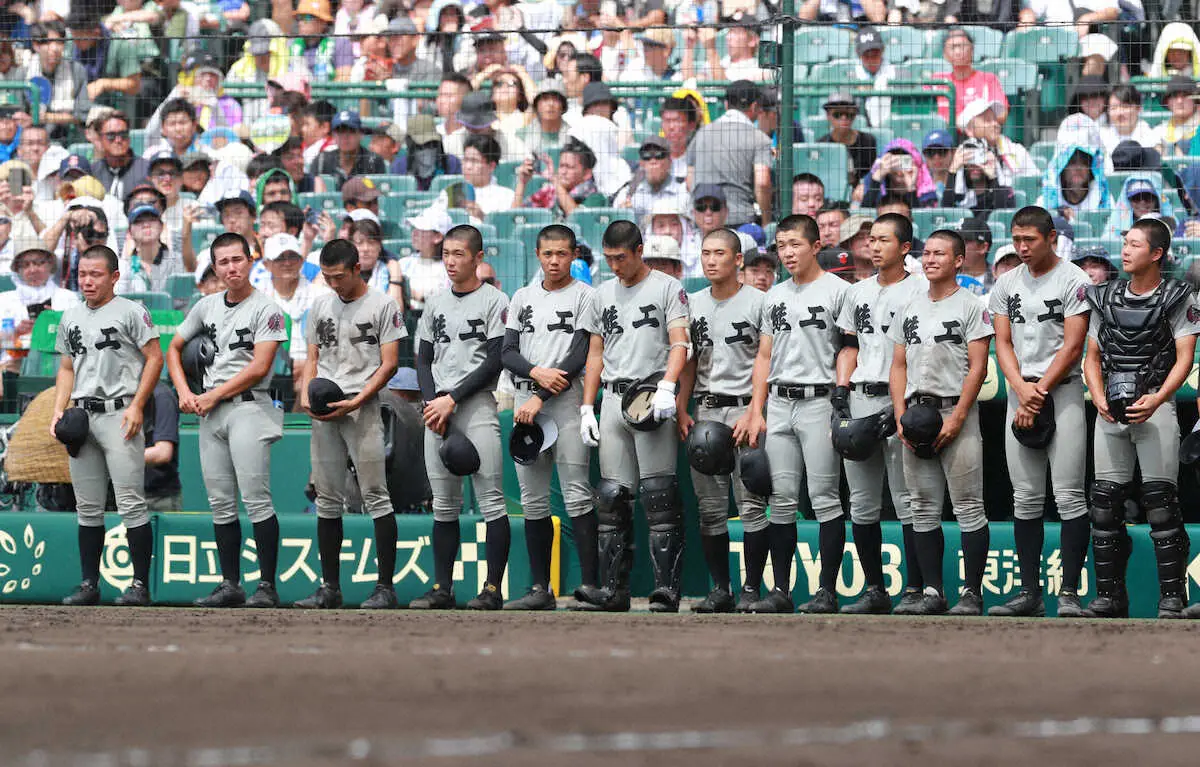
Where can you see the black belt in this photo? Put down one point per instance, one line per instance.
(930, 400)
(618, 387)
(246, 396)
(871, 389)
(1035, 379)
(803, 391)
(530, 385)
(97, 405)
(720, 400)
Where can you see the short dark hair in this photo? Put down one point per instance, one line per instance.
(808, 178)
(104, 252)
(339, 252)
(230, 238)
(798, 222)
(291, 102)
(895, 198)
(586, 156)
(486, 145)
(1035, 216)
(261, 163)
(458, 78)
(958, 246)
(1127, 94)
(1158, 233)
(292, 142)
(687, 106)
(622, 235)
(293, 216)
(367, 228)
(587, 64)
(728, 235)
(557, 232)
(278, 178)
(835, 209)
(177, 106)
(322, 111)
(468, 234)
(110, 116)
(901, 226)
(41, 31)
(145, 187)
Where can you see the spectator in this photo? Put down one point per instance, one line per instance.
(975, 274)
(1075, 181)
(1096, 263)
(118, 169)
(16, 204)
(679, 124)
(980, 121)
(900, 170)
(328, 58)
(316, 130)
(237, 212)
(162, 488)
(545, 131)
(146, 259)
(1130, 155)
(573, 186)
(768, 117)
(969, 83)
(654, 63)
(35, 151)
(1095, 51)
(1091, 96)
(197, 172)
(1177, 52)
(180, 130)
(1124, 121)
(367, 236)
(653, 180)
(361, 194)
(559, 51)
(1006, 260)
(511, 87)
(1064, 243)
(208, 283)
(423, 270)
(829, 224)
(490, 51)
(583, 69)
(478, 193)
(1173, 138)
(1141, 195)
(741, 63)
(736, 156)
(854, 237)
(274, 185)
(875, 72)
(349, 158)
(10, 132)
(843, 11)
(599, 134)
(451, 93)
(34, 289)
(662, 255)
(386, 141)
(1083, 13)
(936, 149)
(166, 174)
(291, 159)
(423, 157)
(760, 268)
(289, 287)
(477, 118)
(808, 194)
(373, 62)
(356, 18)
(210, 108)
(710, 208)
(80, 227)
(921, 12)
(266, 56)
(841, 110)
(403, 41)
(113, 65)
(976, 183)
(669, 219)
(69, 100)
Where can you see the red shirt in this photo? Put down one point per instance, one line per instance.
(980, 85)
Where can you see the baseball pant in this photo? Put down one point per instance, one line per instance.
(712, 492)
(476, 418)
(627, 456)
(1067, 463)
(235, 455)
(165, 502)
(798, 440)
(568, 454)
(865, 478)
(108, 455)
(360, 435)
(960, 467)
(1153, 444)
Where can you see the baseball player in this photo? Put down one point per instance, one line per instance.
(550, 325)
(870, 308)
(460, 337)
(353, 337)
(725, 320)
(1141, 342)
(1040, 315)
(110, 363)
(941, 350)
(238, 420)
(643, 331)
(794, 376)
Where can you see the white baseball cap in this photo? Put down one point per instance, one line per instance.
(278, 244)
(362, 214)
(1097, 45)
(976, 108)
(661, 246)
(432, 219)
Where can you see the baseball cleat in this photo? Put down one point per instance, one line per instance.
(933, 602)
(1109, 606)
(436, 598)
(746, 597)
(326, 597)
(969, 603)
(615, 601)
(137, 595)
(824, 602)
(488, 599)
(382, 598)
(537, 598)
(1171, 606)
(1192, 612)
(85, 594)
(874, 601)
(264, 596)
(719, 600)
(1069, 605)
(910, 601)
(588, 598)
(664, 600)
(226, 594)
(1026, 604)
(778, 601)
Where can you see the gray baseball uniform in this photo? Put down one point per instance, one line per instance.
(801, 321)
(1036, 308)
(459, 328)
(236, 435)
(634, 324)
(935, 335)
(546, 323)
(349, 338)
(725, 339)
(105, 346)
(868, 312)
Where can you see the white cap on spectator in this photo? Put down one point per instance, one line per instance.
(976, 108)
(661, 246)
(362, 214)
(1097, 45)
(432, 219)
(278, 244)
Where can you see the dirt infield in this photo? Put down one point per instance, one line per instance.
(182, 687)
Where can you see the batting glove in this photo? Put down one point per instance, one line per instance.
(589, 429)
(664, 401)
(841, 401)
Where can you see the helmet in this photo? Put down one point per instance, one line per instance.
(922, 425)
(1122, 389)
(637, 404)
(856, 439)
(529, 440)
(458, 455)
(756, 471)
(321, 394)
(198, 353)
(1038, 435)
(72, 430)
(1189, 449)
(711, 449)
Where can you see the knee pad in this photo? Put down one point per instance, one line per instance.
(614, 504)
(1162, 505)
(1108, 504)
(662, 502)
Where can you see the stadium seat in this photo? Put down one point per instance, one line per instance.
(181, 287)
(152, 300)
(1018, 78)
(507, 221)
(999, 232)
(83, 149)
(441, 182)
(1030, 185)
(202, 236)
(6, 282)
(137, 141)
(390, 184)
(1096, 221)
(1042, 153)
(927, 220)
(507, 257)
(903, 43)
(593, 221)
(329, 201)
(989, 43)
(694, 284)
(921, 70)
(914, 127)
(816, 44)
(506, 174)
(1049, 48)
(1002, 216)
(830, 162)
(40, 364)
(1183, 248)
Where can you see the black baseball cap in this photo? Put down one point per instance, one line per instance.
(868, 39)
(975, 229)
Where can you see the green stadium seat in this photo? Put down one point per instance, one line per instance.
(921, 70)
(459, 216)
(6, 282)
(441, 182)
(1042, 153)
(914, 127)
(1096, 220)
(153, 301)
(1002, 216)
(488, 232)
(181, 287)
(829, 162)
(593, 221)
(202, 236)
(989, 43)
(507, 221)
(40, 364)
(329, 201)
(1083, 243)
(817, 44)
(507, 257)
(1030, 185)
(928, 220)
(393, 184)
(137, 141)
(694, 284)
(1083, 227)
(1183, 248)
(903, 43)
(83, 149)
(834, 74)
(999, 232)
(1042, 44)
(506, 174)
(1015, 75)
(1019, 78)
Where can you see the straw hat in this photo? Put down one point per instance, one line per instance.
(33, 455)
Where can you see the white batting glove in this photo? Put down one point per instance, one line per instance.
(664, 401)
(589, 429)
